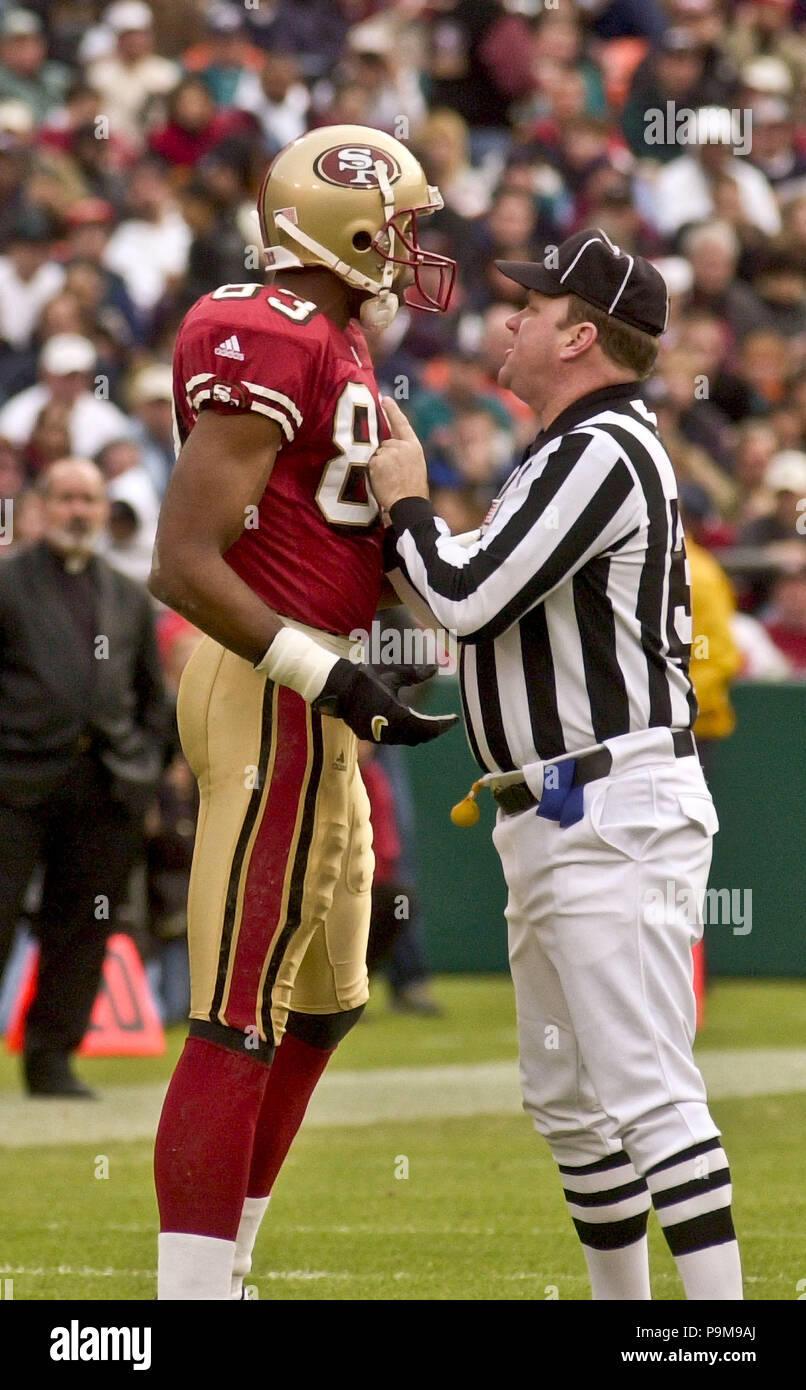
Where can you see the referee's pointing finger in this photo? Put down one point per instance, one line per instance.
(398, 424)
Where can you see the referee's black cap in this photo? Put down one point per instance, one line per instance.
(587, 264)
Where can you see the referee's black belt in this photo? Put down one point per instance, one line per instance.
(589, 768)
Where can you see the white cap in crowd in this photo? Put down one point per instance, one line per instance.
(767, 74)
(677, 273)
(67, 352)
(19, 23)
(128, 16)
(787, 472)
(152, 383)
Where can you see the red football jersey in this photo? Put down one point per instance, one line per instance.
(313, 549)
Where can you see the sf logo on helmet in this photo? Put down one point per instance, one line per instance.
(353, 166)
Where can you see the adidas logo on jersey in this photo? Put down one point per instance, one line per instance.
(230, 348)
(340, 762)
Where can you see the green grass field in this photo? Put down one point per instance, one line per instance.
(480, 1214)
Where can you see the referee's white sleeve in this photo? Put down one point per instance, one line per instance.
(553, 517)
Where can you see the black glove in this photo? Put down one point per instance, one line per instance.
(366, 699)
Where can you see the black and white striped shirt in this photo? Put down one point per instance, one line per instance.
(573, 609)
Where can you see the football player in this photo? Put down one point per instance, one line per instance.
(270, 541)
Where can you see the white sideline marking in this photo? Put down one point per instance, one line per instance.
(284, 1228)
(292, 1276)
(87, 1272)
(384, 1095)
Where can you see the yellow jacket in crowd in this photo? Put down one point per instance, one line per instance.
(715, 658)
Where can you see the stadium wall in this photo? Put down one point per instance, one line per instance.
(759, 785)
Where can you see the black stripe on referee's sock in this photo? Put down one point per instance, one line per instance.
(612, 1235)
(231, 902)
(701, 1232)
(294, 909)
(705, 1146)
(602, 1165)
(607, 1197)
(696, 1187)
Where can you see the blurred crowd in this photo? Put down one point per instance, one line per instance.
(133, 138)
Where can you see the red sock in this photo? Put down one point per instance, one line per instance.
(292, 1080)
(204, 1140)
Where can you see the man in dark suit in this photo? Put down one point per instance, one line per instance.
(82, 729)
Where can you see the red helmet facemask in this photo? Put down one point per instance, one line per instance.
(417, 259)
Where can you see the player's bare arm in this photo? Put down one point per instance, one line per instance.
(223, 469)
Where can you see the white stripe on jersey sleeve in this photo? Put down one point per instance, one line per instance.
(195, 380)
(275, 414)
(283, 409)
(277, 397)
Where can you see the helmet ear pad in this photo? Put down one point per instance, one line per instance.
(361, 235)
(372, 248)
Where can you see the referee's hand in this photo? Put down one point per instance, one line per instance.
(397, 469)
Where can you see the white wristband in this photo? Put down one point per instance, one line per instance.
(298, 662)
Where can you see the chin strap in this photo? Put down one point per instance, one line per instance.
(340, 268)
(379, 311)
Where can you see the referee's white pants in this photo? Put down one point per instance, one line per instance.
(601, 927)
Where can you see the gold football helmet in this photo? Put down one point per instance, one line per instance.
(348, 197)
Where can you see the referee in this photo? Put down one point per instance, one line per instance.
(573, 612)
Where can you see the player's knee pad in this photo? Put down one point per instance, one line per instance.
(323, 1030)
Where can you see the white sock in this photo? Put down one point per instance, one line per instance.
(608, 1202)
(193, 1267)
(712, 1275)
(691, 1193)
(254, 1209)
(619, 1274)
